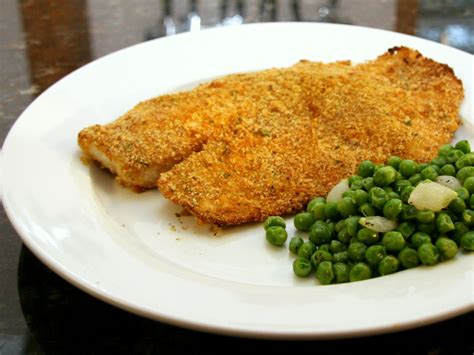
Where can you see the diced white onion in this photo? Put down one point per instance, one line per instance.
(449, 181)
(378, 224)
(431, 196)
(336, 192)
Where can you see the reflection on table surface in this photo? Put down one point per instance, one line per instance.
(42, 41)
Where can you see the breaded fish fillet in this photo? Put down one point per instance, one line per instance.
(399, 104)
(247, 146)
(161, 132)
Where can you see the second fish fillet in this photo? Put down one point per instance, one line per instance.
(399, 104)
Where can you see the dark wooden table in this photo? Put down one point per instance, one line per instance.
(43, 40)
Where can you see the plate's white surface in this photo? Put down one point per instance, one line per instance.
(132, 251)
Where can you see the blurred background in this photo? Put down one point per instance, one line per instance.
(43, 40)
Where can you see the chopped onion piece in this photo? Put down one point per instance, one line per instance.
(336, 192)
(378, 224)
(449, 181)
(431, 196)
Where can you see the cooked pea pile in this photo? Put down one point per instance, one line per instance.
(341, 240)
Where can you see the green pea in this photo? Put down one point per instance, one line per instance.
(303, 221)
(420, 238)
(408, 167)
(469, 184)
(343, 236)
(453, 216)
(336, 246)
(465, 160)
(457, 205)
(445, 149)
(388, 265)
(428, 228)
(346, 207)
(464, 173)
(467, 241)
(421, 166)
(348, 193)
(276, 235)
(330, 211)
(428, 254)
(340, 257)
(359, 272)
(398, 176)
(439, 161)
(331, 225)
(447, 248)
(406, 192)
(323, 247)
(319, 256)
(320, 233)
(302, 267)
(444, 223)
(392, 195)
(367, 236)
(408, 213)
(463, 146)
(340, 225)
(360, 197)
(408, 258)
(393, 241)
(295, 243)
(357, 185)
(318, 211)
(394, 162)
(324, 273)
(459, 230)
(406, 228)
(377, 197)
(415, 179)
(468, 218)
(306, 249)
(392, 208)
(448, 169)
(367, 210)
(352, 225)
(314, 201)
(425, 216)
(436, 168)
(470, 156)
(274, 221)
(354, 178)
(462, 193)
(387, 189)
(401, 184)
(368, 183)
(429, 173)
(384, 176)
(356, 251)
(366, 168)
(341, 272)
(454, 155)
(374, 254)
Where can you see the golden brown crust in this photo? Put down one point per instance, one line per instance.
(247, 146)
(401, 103)
(161, 132)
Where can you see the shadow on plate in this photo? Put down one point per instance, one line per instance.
(63, 319)
(110, 193)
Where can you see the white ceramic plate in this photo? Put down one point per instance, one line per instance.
(132, 251)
